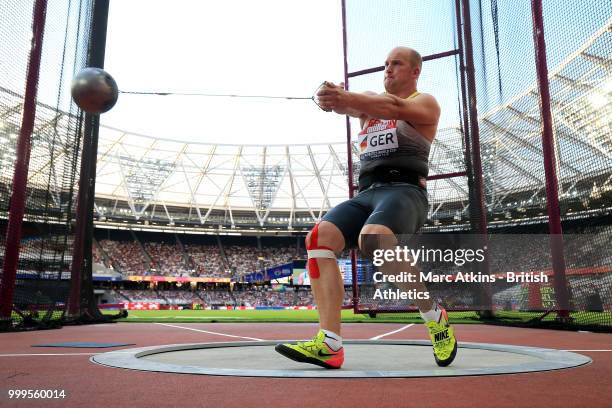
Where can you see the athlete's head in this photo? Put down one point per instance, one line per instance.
(402, 69)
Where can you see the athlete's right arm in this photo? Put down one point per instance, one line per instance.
(354, 112)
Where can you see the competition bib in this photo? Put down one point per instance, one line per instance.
(378, 139)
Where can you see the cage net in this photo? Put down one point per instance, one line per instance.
(42, 280)
(370, 36)
(578, 49)
(578, 37)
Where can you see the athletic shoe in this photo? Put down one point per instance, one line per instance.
(443, 340)
(314, 351)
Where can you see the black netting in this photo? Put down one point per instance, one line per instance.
(374, 29)
(578, 36)
(578, 46)
(45, 255)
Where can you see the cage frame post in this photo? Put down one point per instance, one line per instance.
(550, 167)
(20, 174)
(477, 199)
(81, 304)
(349, 154)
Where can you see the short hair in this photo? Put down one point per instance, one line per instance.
(415, 58)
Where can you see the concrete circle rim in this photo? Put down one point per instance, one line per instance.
(549, 360)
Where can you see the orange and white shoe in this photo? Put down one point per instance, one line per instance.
(314, 351)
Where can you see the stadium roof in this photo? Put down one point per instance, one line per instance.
(148, 171)
(148, 177)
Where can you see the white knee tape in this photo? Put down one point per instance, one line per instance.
(320, 253)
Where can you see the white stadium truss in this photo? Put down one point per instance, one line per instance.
(141, 179)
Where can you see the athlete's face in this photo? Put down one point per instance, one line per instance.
(399, 71)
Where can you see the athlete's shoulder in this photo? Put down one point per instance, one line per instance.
(428, 102)
(426, 98)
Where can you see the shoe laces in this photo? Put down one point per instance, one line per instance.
(312, 345)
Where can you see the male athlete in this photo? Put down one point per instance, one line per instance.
(398, 128)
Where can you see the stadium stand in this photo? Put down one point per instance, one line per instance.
(127, 255)
(255, 296)
(196, 257)
(209, 256)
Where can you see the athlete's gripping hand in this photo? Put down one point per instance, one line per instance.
(333, 97)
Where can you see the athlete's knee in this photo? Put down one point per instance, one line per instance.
(322, 242)
(327, 234)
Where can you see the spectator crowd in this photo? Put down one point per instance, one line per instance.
(194, 260)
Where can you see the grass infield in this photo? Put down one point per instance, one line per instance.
(593, 319)
(286, 316)
(584, 320)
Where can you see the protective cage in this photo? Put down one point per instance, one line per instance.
(523, 146)
(41, 139)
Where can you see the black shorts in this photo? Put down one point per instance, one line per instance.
(402, 207)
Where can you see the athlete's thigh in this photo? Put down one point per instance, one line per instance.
(402, 208)
(350, 216)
